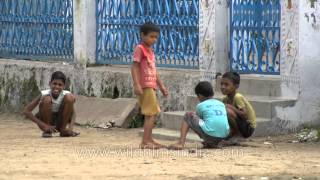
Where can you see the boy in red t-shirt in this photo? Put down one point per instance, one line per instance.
(146, 80)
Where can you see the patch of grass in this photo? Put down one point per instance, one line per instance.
(86, 125)
(306, 126)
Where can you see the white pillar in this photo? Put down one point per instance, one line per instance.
(84, 17)
(214, 40)
(207, 48)
(222, 37)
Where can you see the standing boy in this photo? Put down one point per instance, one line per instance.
(146, 80)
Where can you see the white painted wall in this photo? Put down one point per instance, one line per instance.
(207, 59)
(289, 62)
(84, 31)
(222, 35)
(307, 66)
(213, 38)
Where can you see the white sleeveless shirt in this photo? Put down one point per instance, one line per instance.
(56, 103)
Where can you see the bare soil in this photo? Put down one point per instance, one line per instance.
(114, 154)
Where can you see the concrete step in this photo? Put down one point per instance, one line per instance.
(172, 120)
(92, 111)
(264, 106)
(259, 85)
(174, 135)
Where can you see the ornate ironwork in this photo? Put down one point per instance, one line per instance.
(118, 24)
(36, 29)
(255, 36)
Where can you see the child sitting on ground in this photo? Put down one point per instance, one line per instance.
(146, 80)
(241, 115)
(55, 108)
(210, 121)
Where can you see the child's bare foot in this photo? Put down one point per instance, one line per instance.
(158, 144)
(46, 134)
(177, 146)
(230, 142)
(148, 146)
(68, 133)
(211, 146)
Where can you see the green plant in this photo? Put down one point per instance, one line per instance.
(137, 121)
(86, 125)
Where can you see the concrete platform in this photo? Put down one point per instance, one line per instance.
(264, 106)
(21, 81)
(265, 127)
(97, 111)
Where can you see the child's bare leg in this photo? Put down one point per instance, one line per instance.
(147, 129)
(147, 140)
(67, 116)
(232, 118)
(183, 135)
(73, 120)
(45, 109)
(154, 142)
(183, 132)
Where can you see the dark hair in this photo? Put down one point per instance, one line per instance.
(233, 76)
(204, 88)
(58, 75)
(149, 27)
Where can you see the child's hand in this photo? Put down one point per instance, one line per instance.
(48, 128)
(138, 90)
(229, 106)
(190, 114)
(164, 91)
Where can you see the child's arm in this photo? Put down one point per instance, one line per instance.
(243, 113)
(28, 113)
(240, 108)
(135, 73)
(198, 112)
(163, 89)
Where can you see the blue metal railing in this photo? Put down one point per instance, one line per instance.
(118, 24)
(36, 29)
(255, 36)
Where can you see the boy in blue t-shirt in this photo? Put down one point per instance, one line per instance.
(210, 121)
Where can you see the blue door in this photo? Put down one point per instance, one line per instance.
(255, 36)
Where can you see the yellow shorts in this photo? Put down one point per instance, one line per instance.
(148, 102)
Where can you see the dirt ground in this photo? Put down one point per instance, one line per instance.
(114, 154)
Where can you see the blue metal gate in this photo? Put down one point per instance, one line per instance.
(255, 36)
(118, 24)
(36, 29)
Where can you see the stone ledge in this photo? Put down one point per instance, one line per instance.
(17, 77)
